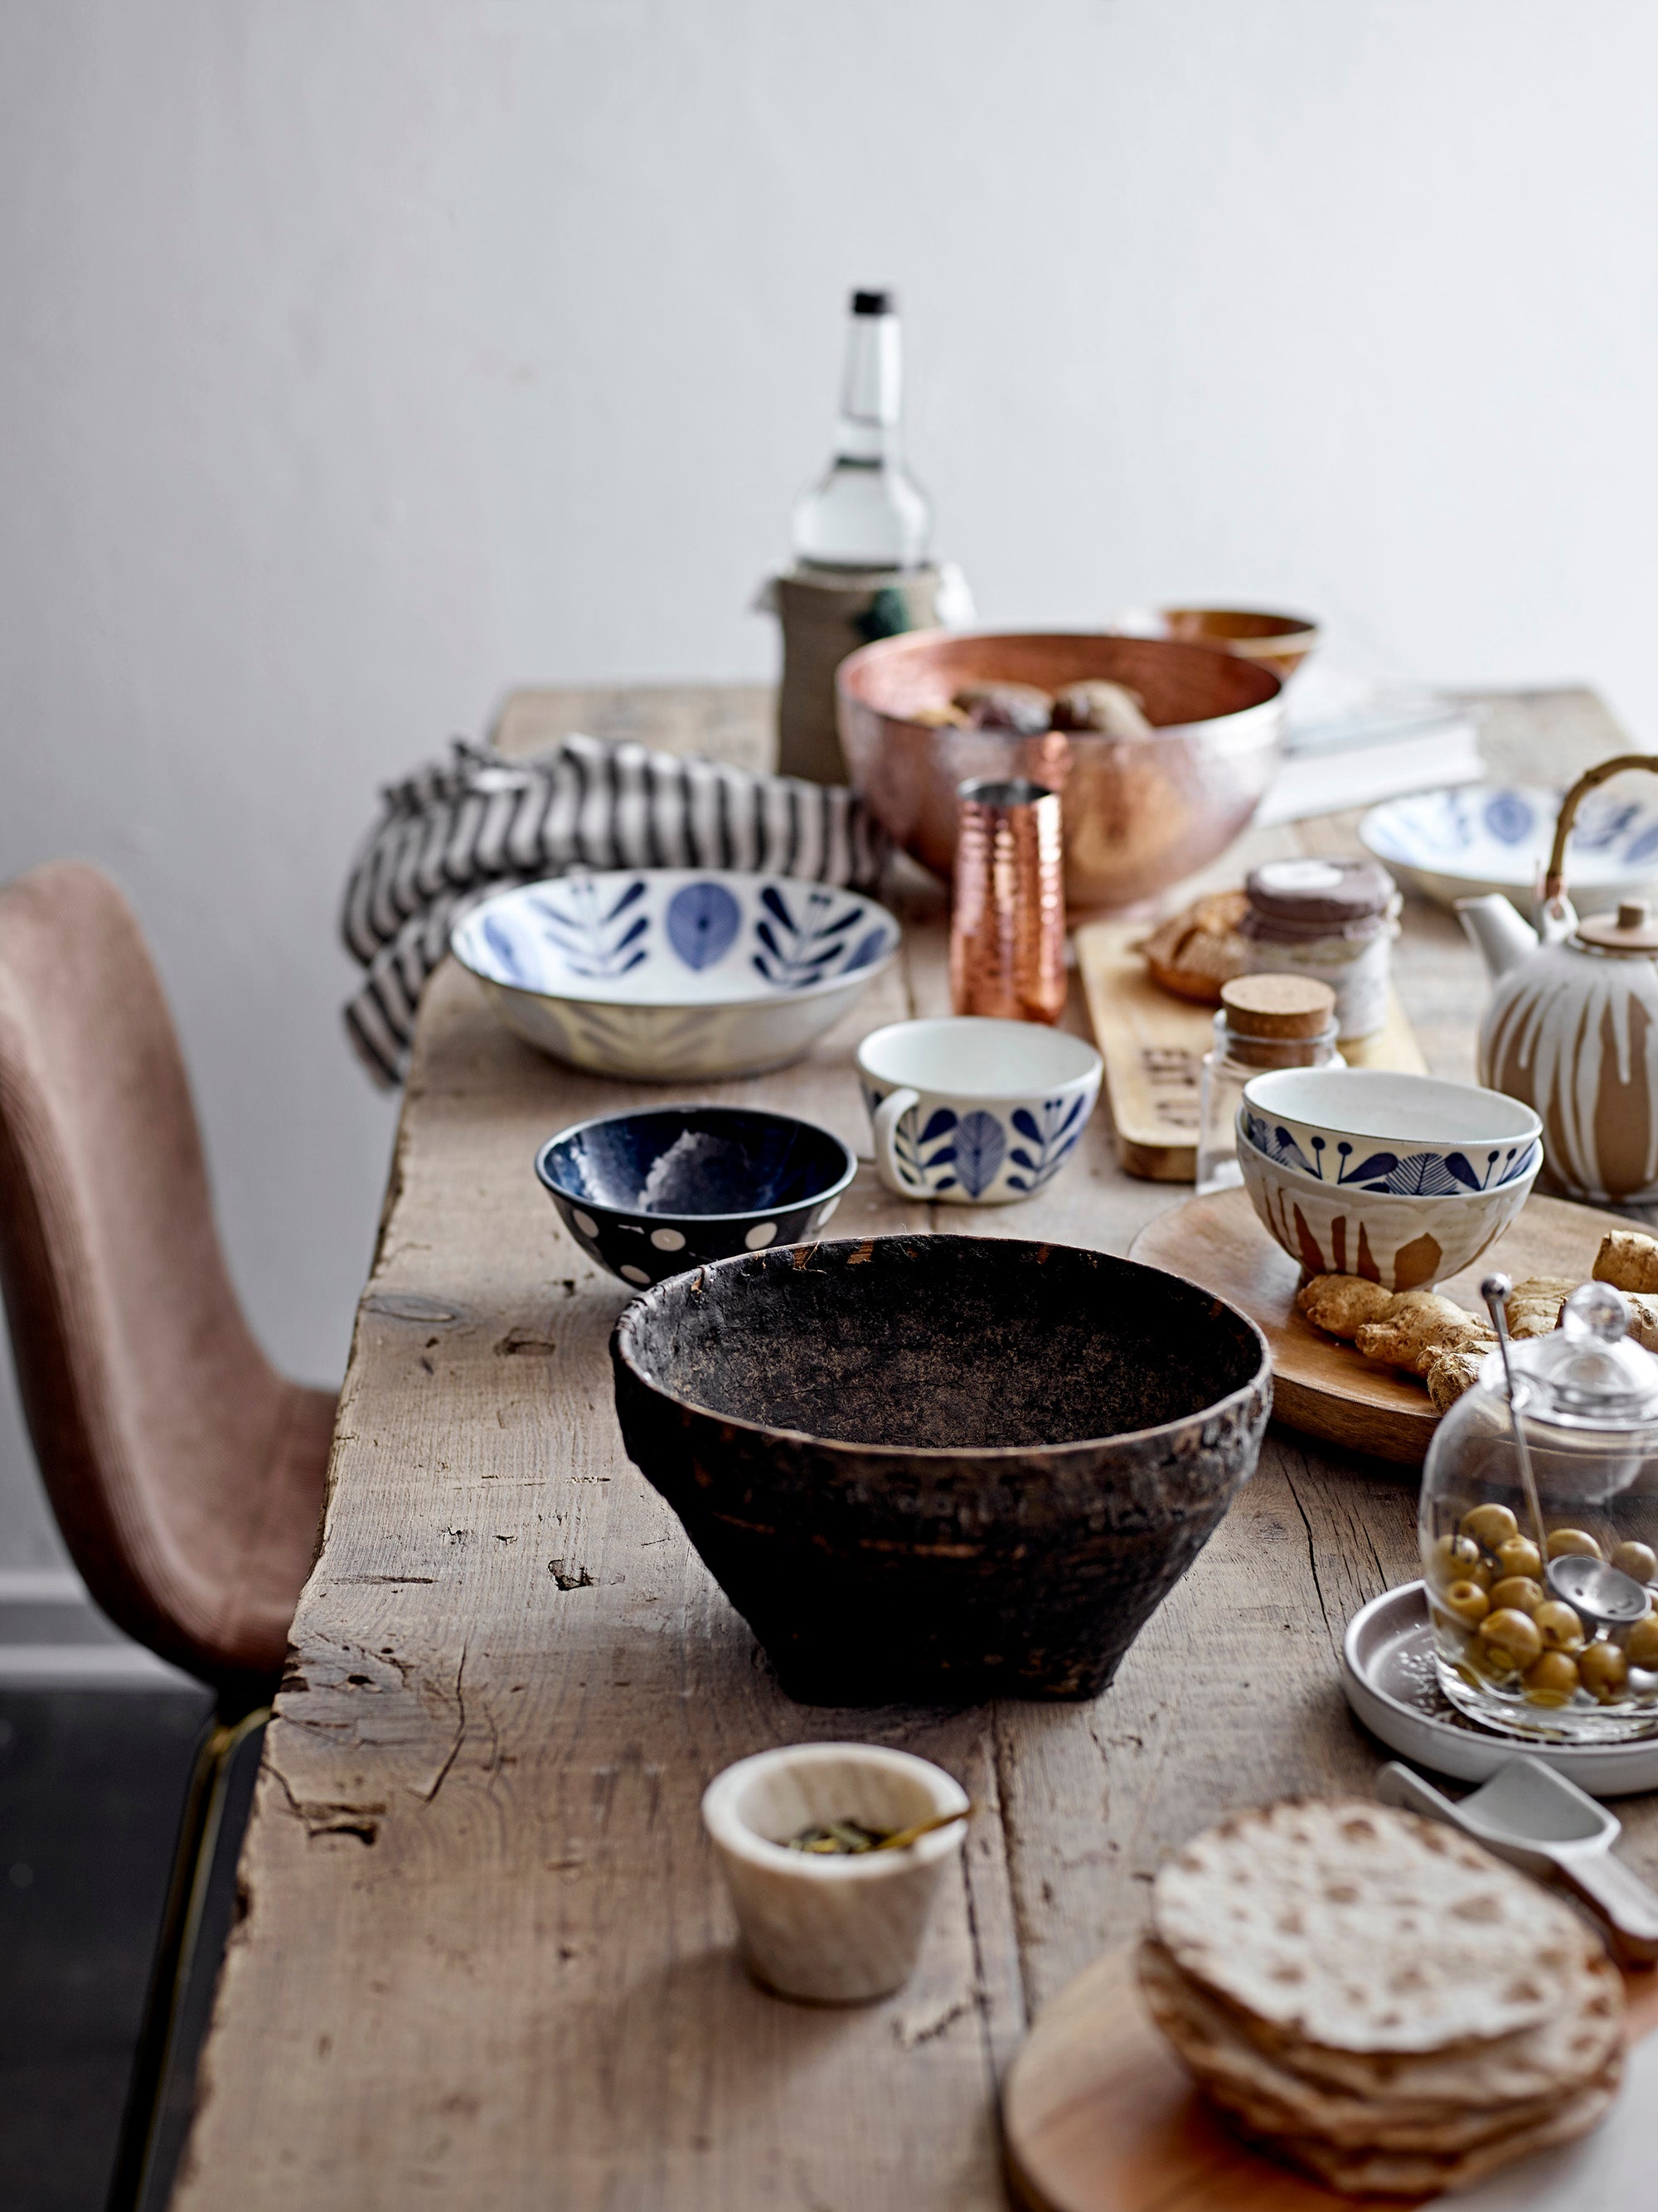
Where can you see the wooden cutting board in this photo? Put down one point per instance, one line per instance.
(1098, 2115)
(1329, 1389)
(1153, 1046)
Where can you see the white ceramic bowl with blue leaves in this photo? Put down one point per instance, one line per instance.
(1451, 845)
(972, 1111)
(661, 974)
(1382, 1130)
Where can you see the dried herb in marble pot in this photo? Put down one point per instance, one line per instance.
(942, 1467)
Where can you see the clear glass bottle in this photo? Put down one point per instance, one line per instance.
(1264, 1022)
(868, 512)
(1530, 1635)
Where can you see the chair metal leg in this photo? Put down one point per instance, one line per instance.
(199, 1832)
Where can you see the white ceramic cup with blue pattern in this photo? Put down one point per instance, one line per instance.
(972, 1111)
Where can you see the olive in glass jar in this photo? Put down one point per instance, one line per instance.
(1490, 1525)
(1511, 1636)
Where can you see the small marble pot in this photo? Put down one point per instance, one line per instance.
(823, 1929)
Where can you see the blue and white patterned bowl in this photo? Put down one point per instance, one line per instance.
(1403, 1242)
(1380, 1129)
(661, 974)
(1484, 837)
(651, 1193)
(1360, 1165)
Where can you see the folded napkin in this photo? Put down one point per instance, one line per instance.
(460, 828)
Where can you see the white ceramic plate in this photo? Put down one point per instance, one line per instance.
(1387, 1674)
(1496, 838)
(660, 973)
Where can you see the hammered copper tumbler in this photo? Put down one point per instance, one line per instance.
(1007, 923)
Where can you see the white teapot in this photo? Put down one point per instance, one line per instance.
(1572, 1025)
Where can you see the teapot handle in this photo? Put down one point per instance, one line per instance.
(1554, 884)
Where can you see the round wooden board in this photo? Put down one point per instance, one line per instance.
(1098, 2115)
(1323, 1387)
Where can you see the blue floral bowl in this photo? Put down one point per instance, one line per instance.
(1381, 1130)
(649, 1194)
(1451, 845)
(661, 974)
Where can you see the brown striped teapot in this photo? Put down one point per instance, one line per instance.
(1572, 1025)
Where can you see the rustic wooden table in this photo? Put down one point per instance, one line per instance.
(483, 1959)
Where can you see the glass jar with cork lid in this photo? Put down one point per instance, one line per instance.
(1264, 1022)
(1332, 922)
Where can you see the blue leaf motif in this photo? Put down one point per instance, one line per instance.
(941, 1118)
(1642, 848)
(1021, 1158)
(980, 1146)
(870, 947)
(799, 949)
(1025, 1122)
(504, 950)
(586, 932)
(1379, 1164)
(702, 923)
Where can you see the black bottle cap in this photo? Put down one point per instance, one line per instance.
(873, 303)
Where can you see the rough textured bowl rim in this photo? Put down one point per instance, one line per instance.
(731, 1832)
(1299, 1175)
(627, 1322)
(756, 1000)
(1368, 1077)
(755, 1213)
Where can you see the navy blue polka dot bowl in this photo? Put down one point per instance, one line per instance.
(651, 1193)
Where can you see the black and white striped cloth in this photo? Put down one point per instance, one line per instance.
(460, 828)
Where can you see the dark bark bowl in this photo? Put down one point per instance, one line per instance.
(942, 1468)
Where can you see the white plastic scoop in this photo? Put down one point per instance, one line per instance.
(1540, 1822)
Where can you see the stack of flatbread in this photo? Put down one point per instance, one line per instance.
(1376, 2000)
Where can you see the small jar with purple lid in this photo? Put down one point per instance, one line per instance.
(1333, 921)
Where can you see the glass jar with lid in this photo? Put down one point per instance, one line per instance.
(1539, 1528)
(1265, 1021)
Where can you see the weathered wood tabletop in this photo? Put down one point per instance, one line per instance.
(483, 1959)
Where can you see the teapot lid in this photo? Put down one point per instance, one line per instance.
(1632, 928)
(1588, 1373)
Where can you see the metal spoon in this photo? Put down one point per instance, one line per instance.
(1540, 1822)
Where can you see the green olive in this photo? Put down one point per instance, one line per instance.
(1519, 1591)
(1512, 1636)
(1490, 1525)
(1551, 1679)
(1604, 1669)
(1639, 1560)
(1519, 1556)
(1572, 1543)
(1457, 1560)
(1641, 1644)
(1558, 1626)
(1467, 1602)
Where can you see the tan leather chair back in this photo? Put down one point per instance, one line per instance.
(184, 1472)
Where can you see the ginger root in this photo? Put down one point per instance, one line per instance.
(1534, 1307)
(1341, 1304)
(1410, 1335)
(1450, 1372)
(1628, 1260)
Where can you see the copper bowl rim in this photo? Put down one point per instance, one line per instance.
(856, 663)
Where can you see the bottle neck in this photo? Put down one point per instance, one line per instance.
(867, 428)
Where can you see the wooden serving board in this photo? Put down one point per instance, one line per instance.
(1323, 1387)
(1098, 2115)
(1153, 1046)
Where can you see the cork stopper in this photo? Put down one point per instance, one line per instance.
(1278, 1006)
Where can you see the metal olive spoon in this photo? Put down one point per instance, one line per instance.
(1594, 1587)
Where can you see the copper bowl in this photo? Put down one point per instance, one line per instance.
(1140, 813)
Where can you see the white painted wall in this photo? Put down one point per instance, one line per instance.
(360, 359)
